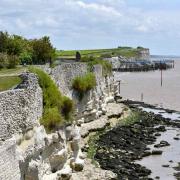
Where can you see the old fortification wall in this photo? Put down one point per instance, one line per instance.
(64, 74)
(33, 154)
(9, 164)
(21, 108)
(93, 103)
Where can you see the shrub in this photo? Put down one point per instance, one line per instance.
(57, 108)
(106, 66)
(84, 83)
(13, 60)
(8, 61)
(51, 118)
(67, 108)
(3, 60)
(131, 119)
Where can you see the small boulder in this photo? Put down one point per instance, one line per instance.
(157, 152)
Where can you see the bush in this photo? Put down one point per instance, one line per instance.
(82, 84)
(67, 108)
(51, 118)
(13, 60)
(57, 108)
(3, 60)
(106, 66)
(8, 61)
(131, 119)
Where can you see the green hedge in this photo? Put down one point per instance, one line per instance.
(57, 108)
(84, 83)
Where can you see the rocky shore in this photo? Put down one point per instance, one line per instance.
(118, 148)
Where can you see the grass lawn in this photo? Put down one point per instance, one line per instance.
(123, 51)
(14, 71)
(7, 82)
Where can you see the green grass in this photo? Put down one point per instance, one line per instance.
(93, 147)
(58, 109)
(123, 51)
(9, 82)
(131, 119)
(17, 70)
(84, 83)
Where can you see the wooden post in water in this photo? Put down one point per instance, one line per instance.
(161, 67)
(161, 77)
(119, 83)
(142, 97)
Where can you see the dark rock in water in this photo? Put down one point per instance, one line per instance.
(157, 134)
(165, 165)
(171, 161)
(169, 111)
(157, 152)
(146, 153)
(157, 177)
(176, 138)
(162, 144)
(161, 128)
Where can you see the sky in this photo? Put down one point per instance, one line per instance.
(91, 24)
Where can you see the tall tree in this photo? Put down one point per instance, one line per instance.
(43, 51)
(4, 36)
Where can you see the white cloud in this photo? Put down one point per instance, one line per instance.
(99, 8)
(88, 23)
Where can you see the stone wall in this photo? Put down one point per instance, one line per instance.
(92, 102)
(35, 154)
(9, 164)
(64, 74)
(21, 108)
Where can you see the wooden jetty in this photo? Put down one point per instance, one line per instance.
(134, 66)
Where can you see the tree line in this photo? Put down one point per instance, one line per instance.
(15, 49)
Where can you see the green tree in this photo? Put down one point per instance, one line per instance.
(15, 45)
(4, 36)
(43, 51)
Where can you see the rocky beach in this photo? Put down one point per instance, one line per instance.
(123, 148)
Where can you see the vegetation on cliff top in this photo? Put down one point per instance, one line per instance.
(84, 83)
(120, 51)
(91, 61)
(57, 108)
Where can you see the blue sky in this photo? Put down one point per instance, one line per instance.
(89, 24)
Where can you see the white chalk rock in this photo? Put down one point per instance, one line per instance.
(29, 135)
(19, 138)
(65, 173)
(57, 160)
(109, 99)
(77, 165)
(55, 137)
(39, 136)
(33, 170)
(80, 121)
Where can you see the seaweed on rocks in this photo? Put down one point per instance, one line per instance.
(118, 148)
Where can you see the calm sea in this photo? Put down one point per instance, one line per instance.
(147, 85)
